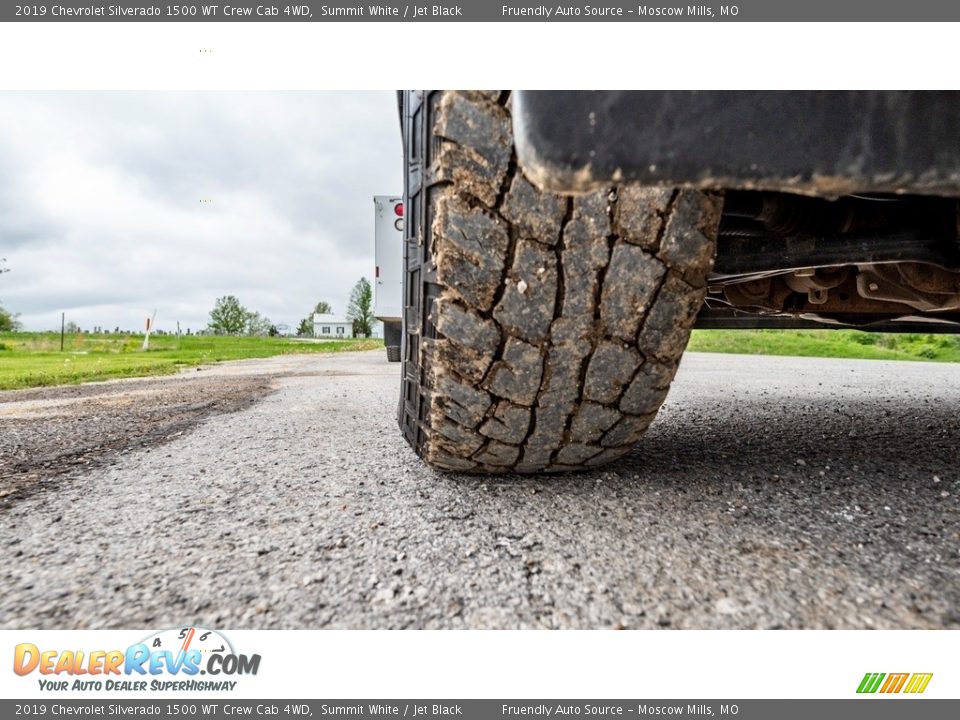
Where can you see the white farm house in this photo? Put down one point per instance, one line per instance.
(331, 326)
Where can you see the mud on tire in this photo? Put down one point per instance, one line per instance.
(541, 332)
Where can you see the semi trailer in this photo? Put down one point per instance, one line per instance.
(388, 272)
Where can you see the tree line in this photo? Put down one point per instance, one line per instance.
(230, 317)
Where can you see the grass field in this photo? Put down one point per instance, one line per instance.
(829, 343)
(34, 359)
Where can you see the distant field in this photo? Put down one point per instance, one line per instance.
(34, 359)
(829, 343)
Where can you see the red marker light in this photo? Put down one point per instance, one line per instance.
(398, 209)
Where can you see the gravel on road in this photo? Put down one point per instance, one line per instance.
(48, 432)
(770, 493)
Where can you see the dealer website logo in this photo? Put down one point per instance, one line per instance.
(913, 683)
(166, 660)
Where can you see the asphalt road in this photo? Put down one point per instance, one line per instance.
(770, 493)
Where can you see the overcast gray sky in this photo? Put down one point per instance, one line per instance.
(101, 213)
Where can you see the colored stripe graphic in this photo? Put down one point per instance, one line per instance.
(918, 682)
(870, 682)
(894, 682)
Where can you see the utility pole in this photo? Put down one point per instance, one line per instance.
(63, 317)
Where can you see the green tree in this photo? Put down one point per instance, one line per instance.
(305, 327)
(228, 316)
(8, 321)
(360, 308)
(258, 325)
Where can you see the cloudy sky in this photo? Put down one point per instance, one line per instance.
(101, 211)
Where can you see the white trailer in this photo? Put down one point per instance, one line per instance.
(388, 256)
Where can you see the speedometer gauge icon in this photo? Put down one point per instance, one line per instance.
(183, 639)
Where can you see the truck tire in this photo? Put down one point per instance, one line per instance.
(392, 332)
(541, 332)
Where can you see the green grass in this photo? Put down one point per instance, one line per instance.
(829, 343)
(34, 359)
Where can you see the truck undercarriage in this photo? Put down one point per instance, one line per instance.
(839, 207)
(859, 261)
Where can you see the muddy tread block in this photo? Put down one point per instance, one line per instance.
(526, 308)
(477, 144)
(686, 245)
(471, 258)
(516, 376)
(648, 389)
(631, 283)
(534, 215)
(583, 259)
(468, 336)
(460, 402)
(610, 369)
(498, 454)
(509, 423)
(642, 214)
(591, 421)
(666, 329)
(455, 439)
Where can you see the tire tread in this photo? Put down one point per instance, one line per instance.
(586, 302)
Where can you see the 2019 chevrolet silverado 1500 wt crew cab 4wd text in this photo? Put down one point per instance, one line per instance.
(560, 246)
